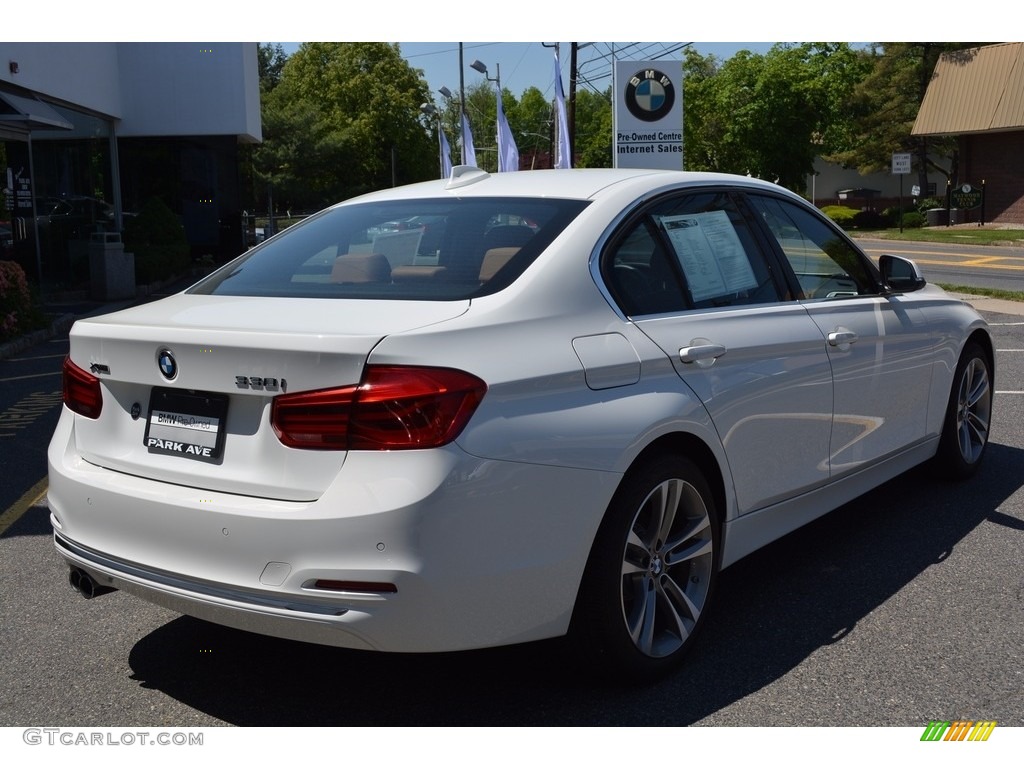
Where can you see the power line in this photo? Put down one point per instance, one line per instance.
(602, 57)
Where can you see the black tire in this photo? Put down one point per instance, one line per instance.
(651, 572)
(965, 430)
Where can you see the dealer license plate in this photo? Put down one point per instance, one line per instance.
(186, 423)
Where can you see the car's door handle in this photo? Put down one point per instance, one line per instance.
(697, 353)
(838, 338)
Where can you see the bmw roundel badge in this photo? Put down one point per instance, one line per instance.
(167, 364)
(650, 95)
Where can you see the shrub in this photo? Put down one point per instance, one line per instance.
(15, 301)
(927, 203)
(913, 220)
(892, 215)
(157, 239)
(869, 219)
(840, 214)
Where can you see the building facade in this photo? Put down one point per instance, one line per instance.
(977, 95)
(89, 132)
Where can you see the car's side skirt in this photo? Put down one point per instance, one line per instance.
(752, 531)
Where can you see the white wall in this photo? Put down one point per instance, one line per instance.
(153, 89)
(79, 73)
(189, 89)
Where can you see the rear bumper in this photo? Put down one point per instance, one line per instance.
(268, 613)
(473, 563)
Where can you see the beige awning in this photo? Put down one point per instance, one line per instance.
(976, 90)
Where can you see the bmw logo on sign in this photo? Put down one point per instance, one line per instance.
(650, 95)
(167, 364)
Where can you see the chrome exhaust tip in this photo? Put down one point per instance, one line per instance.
(86, 585)
(75, 579)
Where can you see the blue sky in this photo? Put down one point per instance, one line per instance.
(525, 64)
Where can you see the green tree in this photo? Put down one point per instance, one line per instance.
(270, 59)
(701, 120)
(482, 110)
(344, 119)
(769, 115)
(531, 125)
(884, 106)
(593, 147)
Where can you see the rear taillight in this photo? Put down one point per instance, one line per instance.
(395, 407)
(82, 392)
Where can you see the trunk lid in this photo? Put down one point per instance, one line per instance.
(204, 420)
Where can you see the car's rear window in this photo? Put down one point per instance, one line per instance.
(414, 249)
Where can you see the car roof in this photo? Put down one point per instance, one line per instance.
(578, 183)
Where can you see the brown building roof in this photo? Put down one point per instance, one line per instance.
(977, 90)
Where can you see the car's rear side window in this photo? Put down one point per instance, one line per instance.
(415, 249)
(688, 251)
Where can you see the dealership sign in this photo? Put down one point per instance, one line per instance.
(649, 114)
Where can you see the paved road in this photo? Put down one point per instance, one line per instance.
(904, 606)
(30, 398)
(987, 266)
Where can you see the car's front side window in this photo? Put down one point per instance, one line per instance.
(826, 266)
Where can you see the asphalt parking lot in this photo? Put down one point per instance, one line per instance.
(902, 607)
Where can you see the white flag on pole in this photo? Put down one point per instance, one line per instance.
(508, 152)
(468, 151)
(563, 157)
(446, 157)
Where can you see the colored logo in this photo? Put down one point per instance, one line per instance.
(167, 364)
(958, 730)
(650, 95)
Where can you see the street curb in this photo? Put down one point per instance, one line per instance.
(59, 326)
(988, 304)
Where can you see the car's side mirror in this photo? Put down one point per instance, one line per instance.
(900, 274)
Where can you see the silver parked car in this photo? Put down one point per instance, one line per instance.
(592, 392)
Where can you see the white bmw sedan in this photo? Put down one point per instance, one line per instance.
(499, 408)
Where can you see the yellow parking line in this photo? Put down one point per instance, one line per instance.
(980, 260)
(28, 500)
(975, 263)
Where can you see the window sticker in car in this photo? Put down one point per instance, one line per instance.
(710, 253)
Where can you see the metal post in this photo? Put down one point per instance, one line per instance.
(269, 231)
(948, 206)
(901, 203)
(35, 216)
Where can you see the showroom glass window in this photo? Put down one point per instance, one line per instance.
(72, 193)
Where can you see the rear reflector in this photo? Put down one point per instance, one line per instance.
(394, 408)
(82, 393)
(375, 587)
